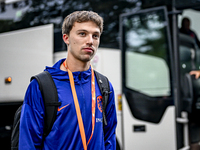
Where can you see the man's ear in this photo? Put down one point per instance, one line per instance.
(66, 38)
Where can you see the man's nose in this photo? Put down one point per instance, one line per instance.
(90, 40)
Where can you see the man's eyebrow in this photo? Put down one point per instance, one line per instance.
(83, 30)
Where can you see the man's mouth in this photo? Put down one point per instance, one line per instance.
(88, 49)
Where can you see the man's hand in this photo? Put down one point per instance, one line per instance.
(196, 73)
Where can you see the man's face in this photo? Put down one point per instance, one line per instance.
(83, 41)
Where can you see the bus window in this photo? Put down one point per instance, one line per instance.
(146, 67)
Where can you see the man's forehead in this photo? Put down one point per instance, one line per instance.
(88, 25)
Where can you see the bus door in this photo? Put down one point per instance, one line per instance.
(189, 55)
(148, 109)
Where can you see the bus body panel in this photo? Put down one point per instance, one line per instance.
(141, 135)
(23, 54)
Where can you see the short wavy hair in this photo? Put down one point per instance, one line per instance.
(81, 16)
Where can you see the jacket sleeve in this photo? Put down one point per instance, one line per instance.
(32, 119)
(109, 130)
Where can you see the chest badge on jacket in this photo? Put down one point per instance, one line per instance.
(99, 103)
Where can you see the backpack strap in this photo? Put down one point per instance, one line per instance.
(15, 130)
(105, 91)
(50, 97)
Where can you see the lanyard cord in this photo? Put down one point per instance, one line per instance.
(78, 112)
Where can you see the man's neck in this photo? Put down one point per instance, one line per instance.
(75, 66)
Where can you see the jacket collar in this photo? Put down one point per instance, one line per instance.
(83, 76)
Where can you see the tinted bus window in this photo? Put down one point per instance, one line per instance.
(146, 50)
(29, 13)
(146, 72)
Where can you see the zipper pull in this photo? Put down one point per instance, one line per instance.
(79, 77)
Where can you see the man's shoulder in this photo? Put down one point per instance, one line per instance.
(99, 73)
(103, 78)
(100, 76)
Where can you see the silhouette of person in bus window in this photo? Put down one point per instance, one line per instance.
(185, 29)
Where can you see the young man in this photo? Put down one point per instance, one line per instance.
(73, 78)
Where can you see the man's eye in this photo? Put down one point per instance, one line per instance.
(96, 36)
(82, 33)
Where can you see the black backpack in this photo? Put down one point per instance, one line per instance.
(50, 97)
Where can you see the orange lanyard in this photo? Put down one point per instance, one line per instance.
(78, 112)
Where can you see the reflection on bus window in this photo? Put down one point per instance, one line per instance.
(147, 65)
(150, 77)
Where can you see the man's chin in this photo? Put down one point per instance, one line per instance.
(88, 58)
